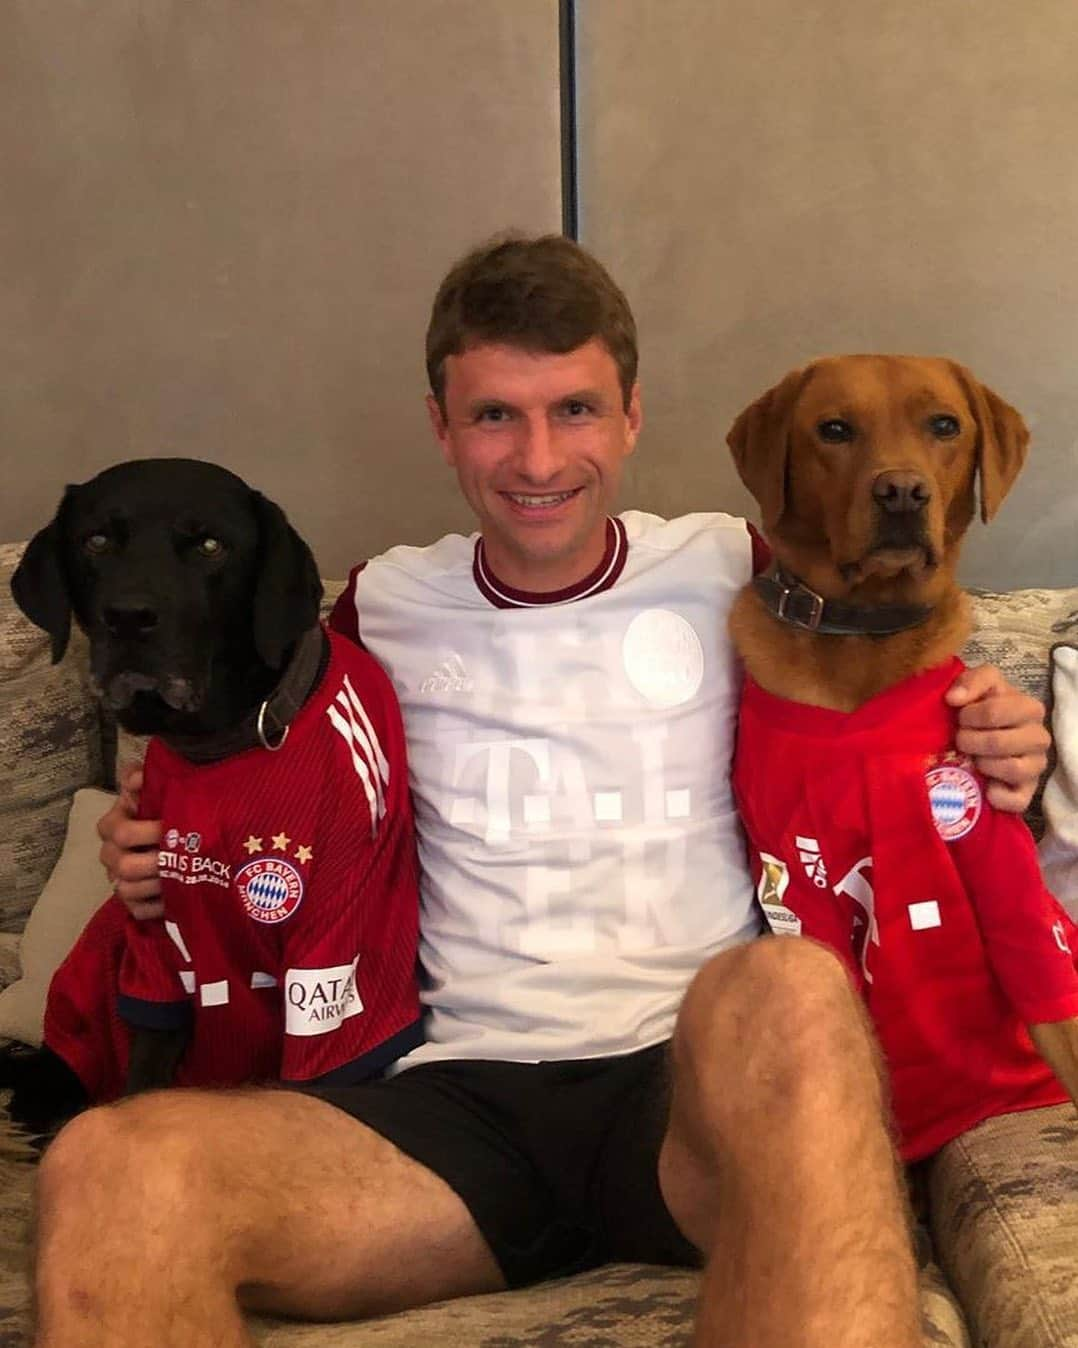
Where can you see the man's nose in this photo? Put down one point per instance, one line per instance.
(539, 458)
(900, 492)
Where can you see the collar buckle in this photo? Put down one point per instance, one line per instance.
(799, 591)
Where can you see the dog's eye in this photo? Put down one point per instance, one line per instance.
(96, 544)
(835, 431)
(210, 547)
(944, 427)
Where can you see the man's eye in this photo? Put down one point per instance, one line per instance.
(576, 408)
(835, 431)
(944, 427)
(494, 414)
(210, 547)
(97, 544)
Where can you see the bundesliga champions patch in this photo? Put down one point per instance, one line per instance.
(954, 797)
(270, 889)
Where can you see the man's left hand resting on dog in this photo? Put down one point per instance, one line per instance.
(1003, 729)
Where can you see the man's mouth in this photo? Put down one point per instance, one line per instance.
(540, 501)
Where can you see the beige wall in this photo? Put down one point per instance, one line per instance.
(222, 227)
(223, 223)
(772, 181)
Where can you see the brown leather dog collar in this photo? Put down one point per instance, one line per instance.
(792, 602)
(268, 723)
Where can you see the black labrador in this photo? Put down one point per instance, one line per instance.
(194, 591)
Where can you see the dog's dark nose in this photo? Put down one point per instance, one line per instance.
(901, 493)
(129, 620)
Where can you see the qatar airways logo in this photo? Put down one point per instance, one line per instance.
(318, 1000)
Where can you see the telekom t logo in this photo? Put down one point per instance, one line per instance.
(499, 766)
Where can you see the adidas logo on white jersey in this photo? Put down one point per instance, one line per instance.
(808, 850)
(448, 677)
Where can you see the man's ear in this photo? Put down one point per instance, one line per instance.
(1002, 440)
(439, 424)
(39, 585)
(287, 588)
(760, 442)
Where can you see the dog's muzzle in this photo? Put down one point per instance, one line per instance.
(118, 691)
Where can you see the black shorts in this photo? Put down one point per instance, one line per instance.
(557, 1162)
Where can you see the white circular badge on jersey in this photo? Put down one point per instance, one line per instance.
(663, 657)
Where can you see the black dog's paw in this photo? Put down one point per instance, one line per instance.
(45, 1092)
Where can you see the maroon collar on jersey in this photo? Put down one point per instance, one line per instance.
(602, 578)
(308, 662)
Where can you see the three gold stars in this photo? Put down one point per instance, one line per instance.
(280, 843)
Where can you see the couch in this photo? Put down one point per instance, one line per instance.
(999, 1207)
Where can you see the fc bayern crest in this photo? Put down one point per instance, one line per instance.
(954, 796)
(270, 889)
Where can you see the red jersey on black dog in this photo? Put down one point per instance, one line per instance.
(291, 907)
(867, 834)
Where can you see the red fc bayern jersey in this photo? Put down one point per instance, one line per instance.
(289, 881)
(867, 833)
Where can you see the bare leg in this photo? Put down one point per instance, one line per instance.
(777, 1163)
(158, 1215)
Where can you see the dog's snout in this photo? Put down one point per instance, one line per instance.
(135, 619)
(901, 493)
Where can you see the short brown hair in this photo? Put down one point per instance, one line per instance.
(541, 294)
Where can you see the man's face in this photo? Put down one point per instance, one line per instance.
(538, 441)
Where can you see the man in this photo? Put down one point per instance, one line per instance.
(614, 1068)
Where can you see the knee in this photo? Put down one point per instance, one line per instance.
(772, 1015)
(121, 1154)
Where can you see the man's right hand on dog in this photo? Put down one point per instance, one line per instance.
(129, 848)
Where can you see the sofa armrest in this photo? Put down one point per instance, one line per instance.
(1003, 1205)
(9, 958)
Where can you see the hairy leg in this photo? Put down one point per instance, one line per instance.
(777, 1162)
(159, 1215)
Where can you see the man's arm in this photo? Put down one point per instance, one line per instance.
(1002, 729)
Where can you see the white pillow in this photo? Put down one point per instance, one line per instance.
(73, 892)
(1059, 847)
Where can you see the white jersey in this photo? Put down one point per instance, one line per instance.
(570, 765)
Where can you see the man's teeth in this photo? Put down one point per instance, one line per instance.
(554, 499)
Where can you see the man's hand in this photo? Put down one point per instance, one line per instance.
(1002, 730)
(129, 850)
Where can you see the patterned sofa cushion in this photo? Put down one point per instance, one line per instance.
(50, 745)
(624, 1304)
(1004, 1203)
(1016, 629)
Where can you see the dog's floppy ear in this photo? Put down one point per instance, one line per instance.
(39, 585)
(1002, 440)
(287, 588)
(760, 439)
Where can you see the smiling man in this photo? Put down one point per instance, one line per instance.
(615, 1068)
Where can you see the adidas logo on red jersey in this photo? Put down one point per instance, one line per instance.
(808, 849)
